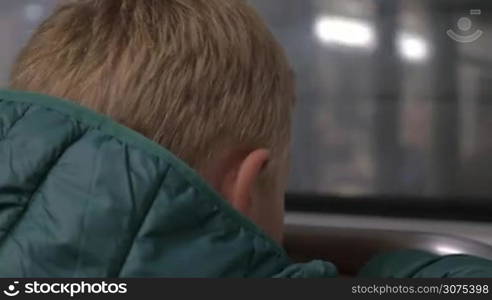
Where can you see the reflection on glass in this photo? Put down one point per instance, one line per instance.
(345, 31)
(413, 48)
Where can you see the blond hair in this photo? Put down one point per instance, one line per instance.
(193, 75)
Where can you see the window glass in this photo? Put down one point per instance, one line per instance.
(394, 96)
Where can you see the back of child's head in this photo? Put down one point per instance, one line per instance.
(196, 76)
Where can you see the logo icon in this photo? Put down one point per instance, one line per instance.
(11, 290)
(464, 25)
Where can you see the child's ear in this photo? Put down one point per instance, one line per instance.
(241, 181)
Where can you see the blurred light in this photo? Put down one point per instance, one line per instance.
(33, 12)
(447, 250)
(345, 31)
(357, 33)
(413, 48)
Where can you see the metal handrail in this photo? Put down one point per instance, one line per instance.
(350, 249)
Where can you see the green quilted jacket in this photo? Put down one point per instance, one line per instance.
(82, 196)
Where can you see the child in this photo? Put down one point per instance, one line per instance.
(83, 195)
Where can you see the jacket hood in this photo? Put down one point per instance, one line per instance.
(82, 196)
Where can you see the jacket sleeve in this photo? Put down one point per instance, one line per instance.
(314, 269)
(419, 264)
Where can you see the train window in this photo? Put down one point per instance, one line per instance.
(394, 104)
